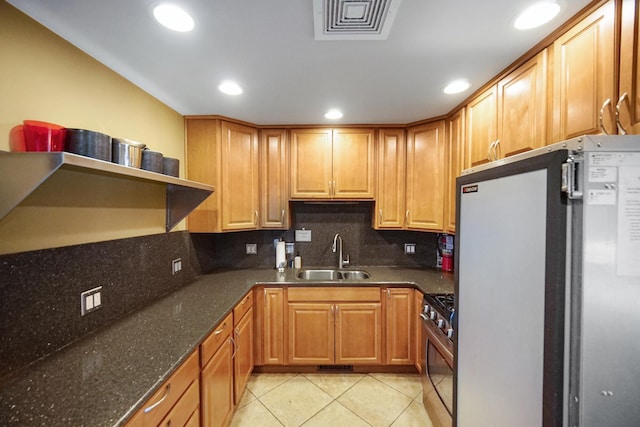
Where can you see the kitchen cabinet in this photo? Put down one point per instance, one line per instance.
(274, 179)
(332, 164)
(522, 108)
(270, 326)
(400, 323)
(418, 336)
(243, 337)
(454, 159)
(425, 177)
(334, 326)
(216, 377)
(176, 400)
(225, 155)
(390, 191)
(584, 77)
(481, 127)
(628, 106)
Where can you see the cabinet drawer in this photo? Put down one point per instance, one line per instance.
(334, 294)
(186, 406)
(242, 307)
(161, 402)
(215, 339)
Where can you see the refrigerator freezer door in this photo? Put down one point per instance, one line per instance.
(501, 301)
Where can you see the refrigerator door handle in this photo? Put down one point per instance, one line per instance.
(571, 172)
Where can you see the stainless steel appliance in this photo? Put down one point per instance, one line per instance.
(437, 379)
(548, 288)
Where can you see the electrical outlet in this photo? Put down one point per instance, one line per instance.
(176, 266)
(90, 300)
(410, 248)
(251, 249)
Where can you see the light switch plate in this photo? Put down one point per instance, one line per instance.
(410, 248)
(90, 300)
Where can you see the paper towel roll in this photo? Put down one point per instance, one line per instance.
(281, 257)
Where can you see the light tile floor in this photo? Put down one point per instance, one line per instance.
(332, 399)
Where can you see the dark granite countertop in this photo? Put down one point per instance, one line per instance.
(102, 379)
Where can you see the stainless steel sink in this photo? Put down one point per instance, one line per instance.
(332, 274)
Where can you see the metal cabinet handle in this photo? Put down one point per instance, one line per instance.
(256, 217)
(219, 331)
(381, 217)
(155, 405)
(621, 129)
(406, 217)
(490, 151)
(235, 348)
(496, 150)
(601, 118)
(282, 217)
(334, 189)
(237, 343)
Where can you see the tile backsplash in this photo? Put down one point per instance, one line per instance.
(364, 245)
(40, 290)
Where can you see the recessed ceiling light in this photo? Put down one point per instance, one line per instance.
(173, 17)
(230, 88)
(333, 114)
(536, 15)
(456, 86)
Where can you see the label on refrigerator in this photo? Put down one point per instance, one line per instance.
(628, 248)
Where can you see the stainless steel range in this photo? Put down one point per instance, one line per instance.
(437, 380)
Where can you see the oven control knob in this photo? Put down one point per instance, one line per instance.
(440, 323)
(433, 315)
(425, 309)
(450, 333)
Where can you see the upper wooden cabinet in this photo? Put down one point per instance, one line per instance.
(274, 179)
(482, 127)
(332, 164)
(454, 159)
(425, 177)
(224, 155)
(390, 195)
(522, 108)
(628, 105)
(584, 76)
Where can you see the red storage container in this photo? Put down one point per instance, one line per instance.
(43, 136)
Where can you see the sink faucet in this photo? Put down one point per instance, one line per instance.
(341, 262)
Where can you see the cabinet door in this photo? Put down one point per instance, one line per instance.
(584, 76)
(630, 68)
(522, 107)
(482, 129)
(455, 139)
(239, 167)
(418, 334)
(358, 333)
(311, 333)
(243, 361)
(353, 163)
(390, 195)
(274, 190)
(400, 321)
(311, 164)
(425, 177)
(217, 387)
(273, 327)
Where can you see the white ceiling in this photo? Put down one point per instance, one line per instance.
(288, 77)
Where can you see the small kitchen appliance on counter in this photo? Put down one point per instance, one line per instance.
(547, 332)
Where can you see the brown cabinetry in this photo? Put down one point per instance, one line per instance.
(628, 105)
(400, 323)
(425, 177)
(390, 192)
(454, 159)
(334, 326)
(482, 127)
(418, 333)
(269, 315)
(332, 164)
(176, 401)
(584, 76)
(274, 179)
(217, 375)
(243, 337)
(224, 155)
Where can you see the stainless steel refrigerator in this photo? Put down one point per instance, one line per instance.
(548, 287)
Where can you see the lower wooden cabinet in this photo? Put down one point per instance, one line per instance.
(217, 378)
(176, 400)
(334, 326)
(400, 326)
(243, 360)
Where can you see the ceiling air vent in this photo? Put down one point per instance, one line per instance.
(353, 19)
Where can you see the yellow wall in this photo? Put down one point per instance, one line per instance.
(43, 77)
